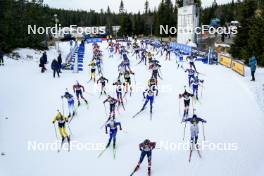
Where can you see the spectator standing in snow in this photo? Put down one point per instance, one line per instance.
(59, 62)
(253, 66)
(55, 68)
(43, 61)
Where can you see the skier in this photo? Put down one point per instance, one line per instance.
(117, 48)
(93, 69)
(119, 92)
(136, 50)
(146, 148)
(111, 50)
(121, 71)
(159, 51)
(112, 102)
(113, 125)
(191, 73)
(125, 65)
(98, 62)
(150, 97)
(70, 100)
(62, 128)
(191, 62)
(113, 128)
(127, 83)
(55, 67)
(168, 52)
(186, 98)
(155, 70)
(194, 129)
(143, 57)
(78, 89)
(102, 81)
(195, 84)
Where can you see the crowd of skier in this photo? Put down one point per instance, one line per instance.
(149, 53)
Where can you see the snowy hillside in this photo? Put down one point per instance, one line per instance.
(230, 103)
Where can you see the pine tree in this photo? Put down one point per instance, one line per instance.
(146, 6)
(241, 47)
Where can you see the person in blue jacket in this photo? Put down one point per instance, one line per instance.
(253, 66)
(113, 128)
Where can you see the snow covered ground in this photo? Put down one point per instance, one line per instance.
(231, 104)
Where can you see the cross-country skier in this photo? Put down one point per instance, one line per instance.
(78, 89)
(70, 100)
(117, 48)
(123, 50)
(168, 52)
(195, 84)
(143, 57)
(113, 127)
(136, 50)
(102, 80)
(125, 63)
(111, 49)
(93, 69)
(146, 148)
(119, 92)
(149, 97)
(62, 128)
(194, 129)
(112, 104)
(186, 98)
(191, 61)
(191, 73)
(127, 83)
(98, 62)
(121, 71)
(155, 70)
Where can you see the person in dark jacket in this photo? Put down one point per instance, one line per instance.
(59, 59)
(43, 61)
(253, 66)
(55, 68)
(1, 58)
